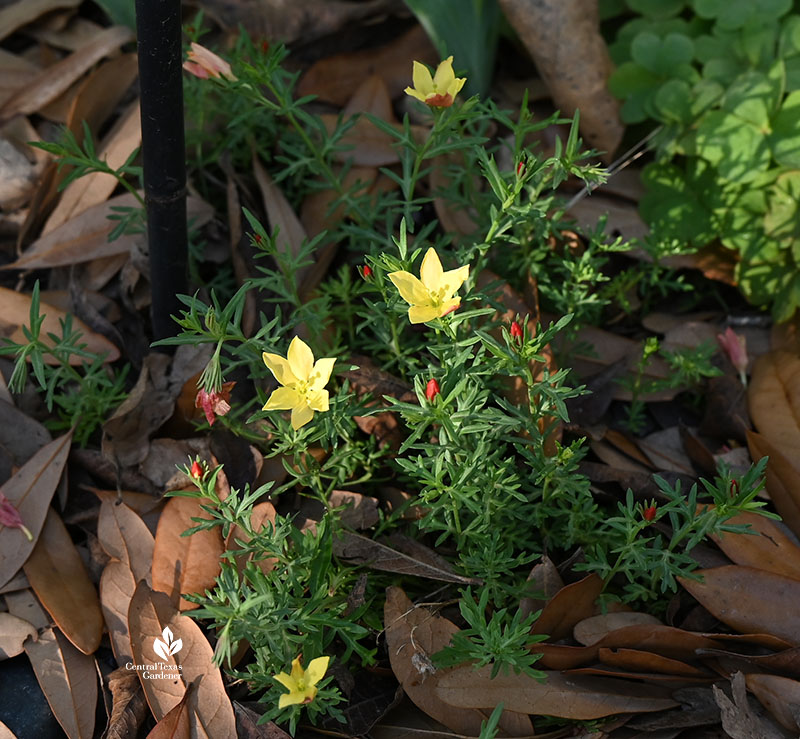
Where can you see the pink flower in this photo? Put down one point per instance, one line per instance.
(214, 403)
(735, 347)
(9, 516)
(203, 63)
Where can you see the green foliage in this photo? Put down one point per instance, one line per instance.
(723, 80)
(466, 29)
(82, 396)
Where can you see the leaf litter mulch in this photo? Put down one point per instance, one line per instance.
(98, 578)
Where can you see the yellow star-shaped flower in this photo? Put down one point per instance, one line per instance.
(431, 296)
(302, 684)
(438, 91)
(303, 381)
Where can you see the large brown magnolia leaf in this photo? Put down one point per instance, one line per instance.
(67, 677)
(58, 576)
(185, 564)
(150, 614)
(750, 600)
(563, 37)
(412, 635)
(782, 478)
(773, 399)
(30, 491)
(767, 548)
(565, 697)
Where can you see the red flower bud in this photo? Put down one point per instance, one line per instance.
(649, 513)
(366, 271)
(516, 330)
(431, 390)
(197, 470)
(734, 489)
(520, 168)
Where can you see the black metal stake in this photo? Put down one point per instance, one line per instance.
(158, 27)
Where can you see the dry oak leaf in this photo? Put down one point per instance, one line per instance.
(773, 400)
(412, 635)
(150, 613)
(13, 633)
(128, 706)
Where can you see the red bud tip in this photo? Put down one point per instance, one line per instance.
(516, 330)
(366, 271)
(734, 491)
(197, 470)
(431, 390)
(257, 238)
(649, 513)
(520, 168)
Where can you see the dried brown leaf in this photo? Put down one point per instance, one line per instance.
(782, 478)
(55, 80)
(13, 633)
(750, 600)
(30, 491)
(739, 720)
(150, 613)
(361, 550)
(563, 37)
(117, 585)
(185, 564)
(591, 630)
(177, 723)
(58, 576)
(780, 696)
(125, 536)
(567, 607)
(412, 635)
(19, 14)
(773, 399)
(574, 698)
(639, 661)
(128, 706)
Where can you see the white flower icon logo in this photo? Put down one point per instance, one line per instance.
(168, 647)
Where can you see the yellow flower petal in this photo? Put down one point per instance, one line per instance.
(414, 94)
(301, 415)
(282, 399)
(431, 271)
(290, 699)
(286, 680)
(321, 373)
(279, 368)
(301, 359)
(423, 82)
(316, 669)
(453, 279)
(318, 400)
(423, 313)
(409, 287)
(444, 76)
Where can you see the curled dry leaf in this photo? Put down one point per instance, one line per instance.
(563, 37)
(773, 398)
(128, 706)
(177, 723)
(591, 630)
(185, 564)
(125, 536)
(150, 613)
(750, 600)
(543, 583)
(57, 575)
(639, 661)
(412, 635)
(739, 720)
(13, 633)
(574, 698)
(30, 491)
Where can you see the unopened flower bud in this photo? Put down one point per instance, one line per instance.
(197, 470)
(431, 390)
(649, 513)
(515, 330)
(520, 169)
(366, 271)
